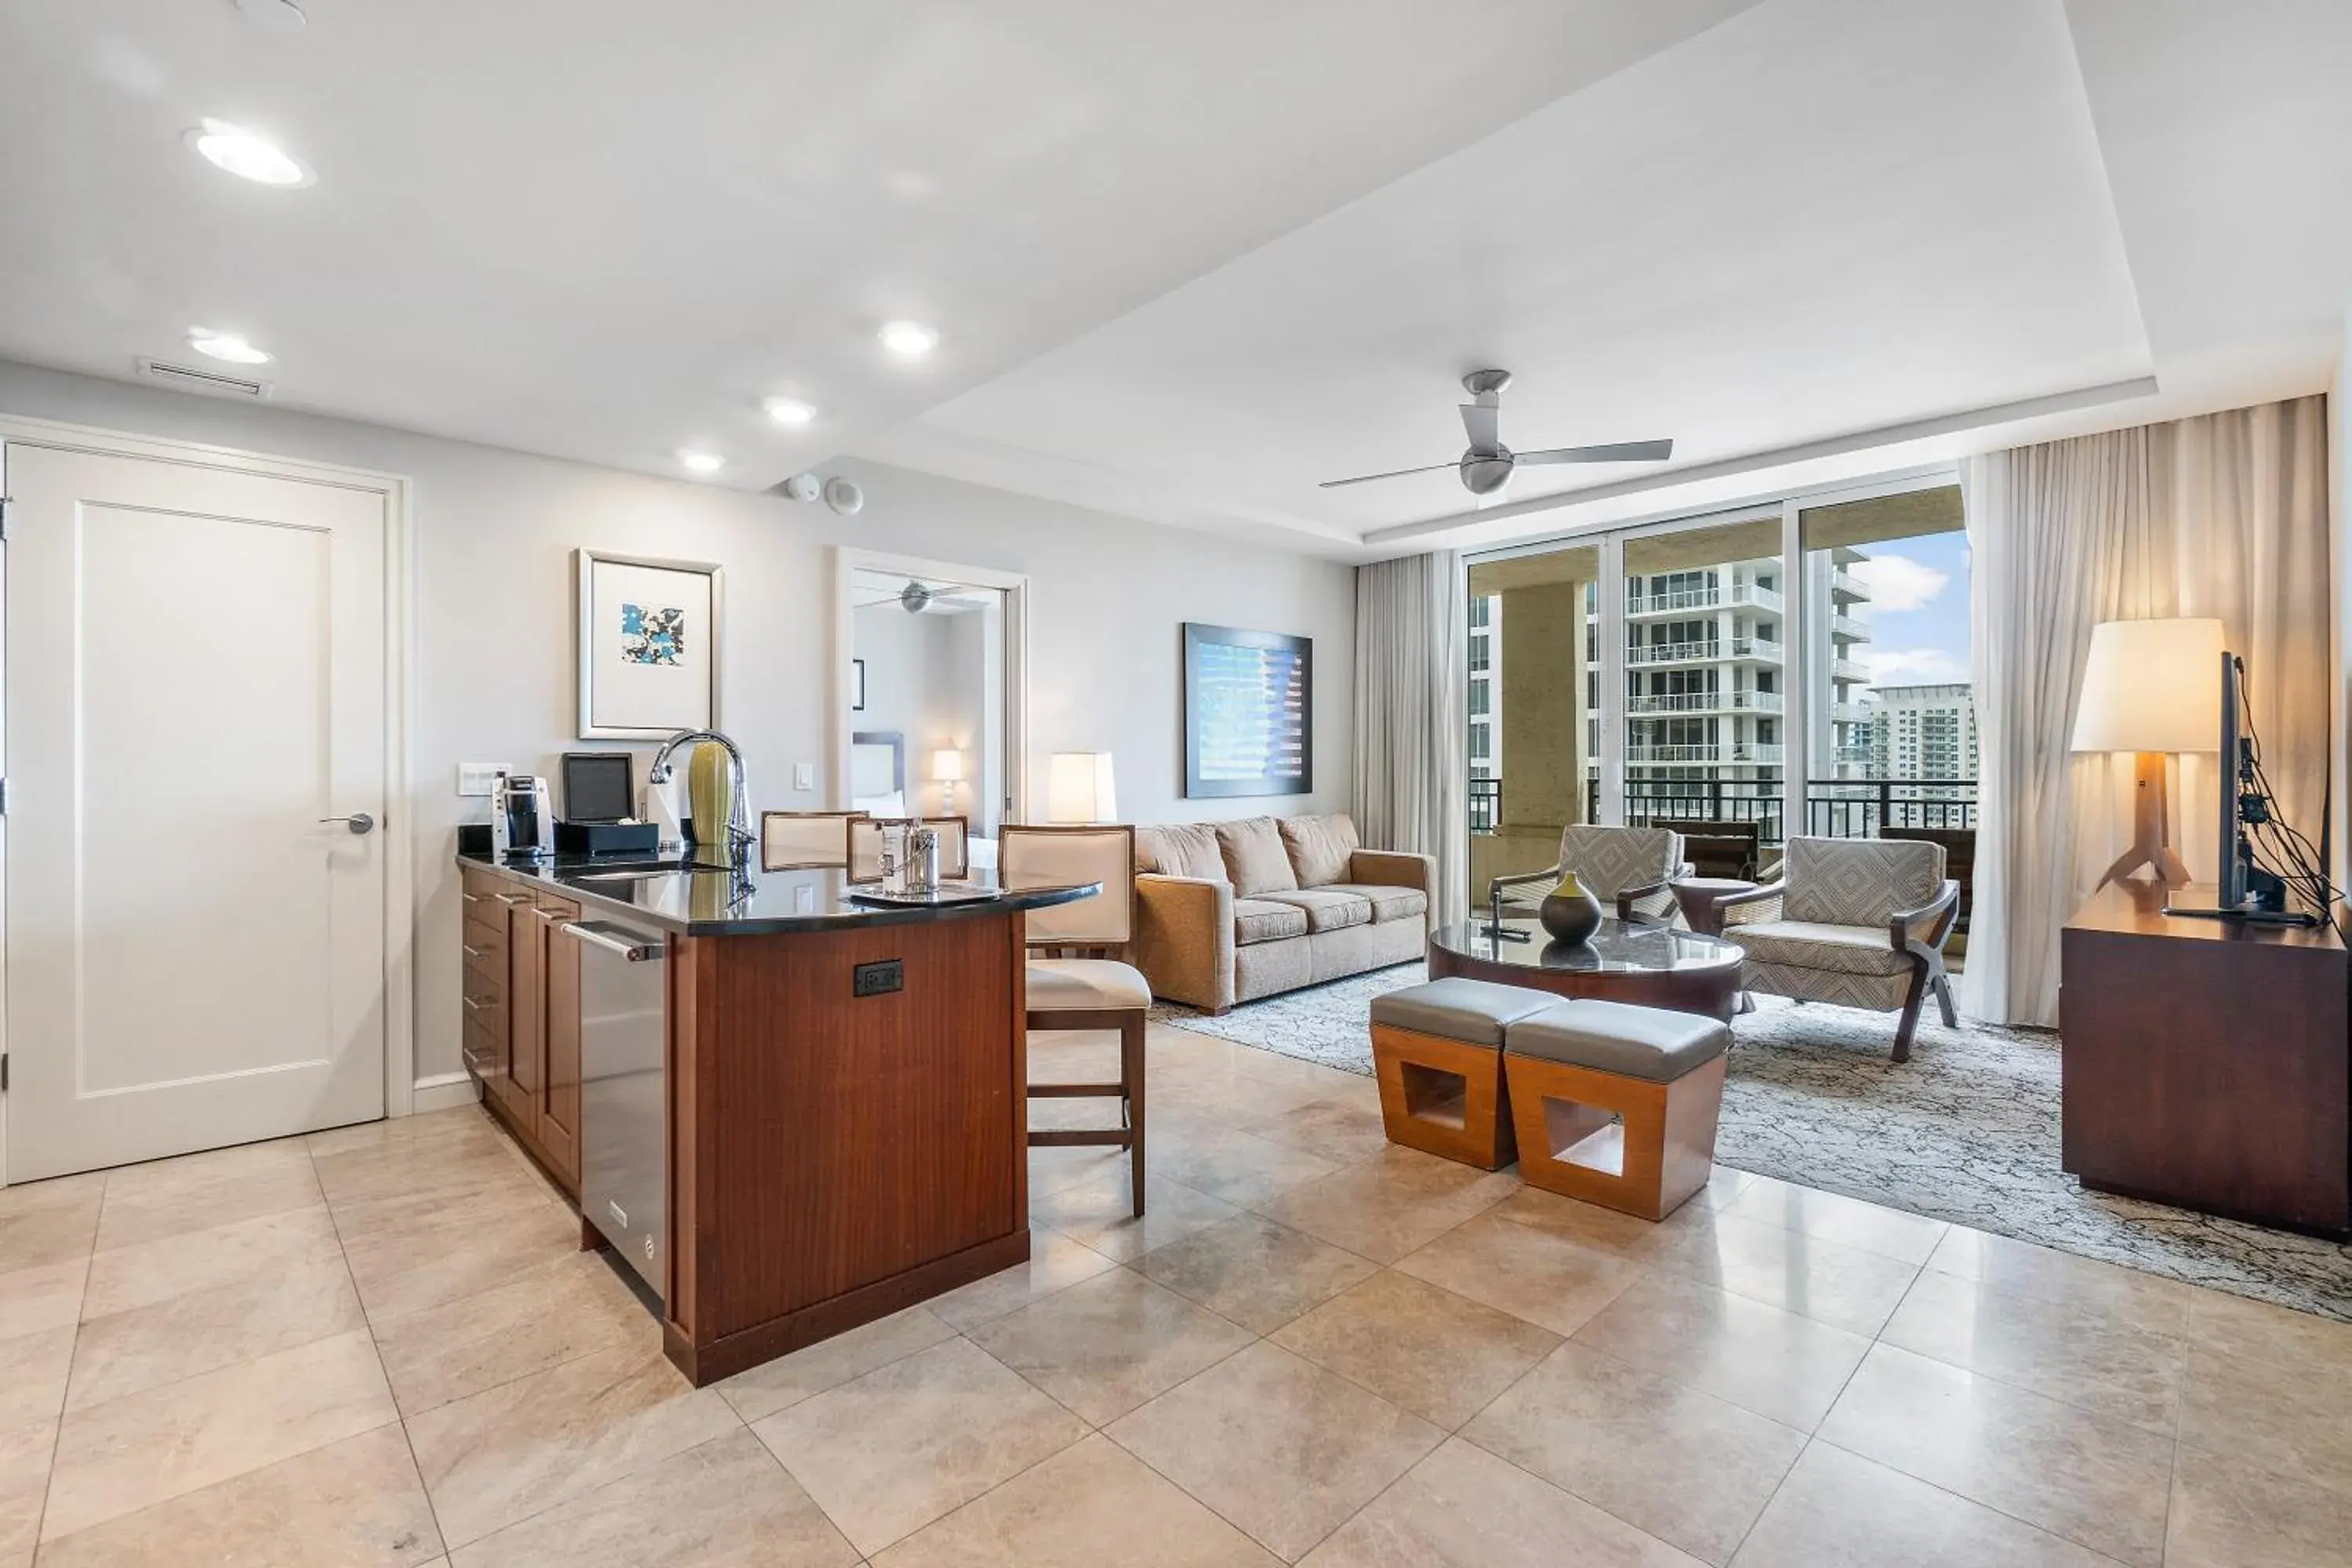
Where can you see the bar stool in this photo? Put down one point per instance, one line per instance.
(1075, 980)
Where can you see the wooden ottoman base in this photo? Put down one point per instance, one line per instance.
(1625, 1143)
(1444, 1097)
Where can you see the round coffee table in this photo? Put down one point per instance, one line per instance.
(1648, 965)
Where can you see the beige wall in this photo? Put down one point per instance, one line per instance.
(494, 532)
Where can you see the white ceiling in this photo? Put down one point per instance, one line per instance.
(1187, 261)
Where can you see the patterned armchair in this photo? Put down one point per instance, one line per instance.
(1630, 870)
(1860, 922)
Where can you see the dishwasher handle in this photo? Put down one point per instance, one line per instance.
(620, 940)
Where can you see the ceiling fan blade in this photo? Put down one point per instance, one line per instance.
(1611, 452)
(1391, 474)
(1483, 423)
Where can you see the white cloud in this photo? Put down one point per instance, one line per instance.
(1898, 581)
(1913, 666)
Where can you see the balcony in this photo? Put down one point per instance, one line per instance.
(1846, 586)
(1846, 628)
(1731, 753)
(1757, 597)
(1850, 713)
(1847, 671)
(1856, 753)
(1762, 650)
(1704, 651)
(1676, 599)
(1737, 701)
(1759, 754)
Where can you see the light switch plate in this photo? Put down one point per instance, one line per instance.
(478, 779)
(803, 776)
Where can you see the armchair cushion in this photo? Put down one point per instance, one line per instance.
(1256, 920)
(1255, 861)
(1804, 945)
(1180, 849)
(1328, 909)
(1609, 860)
(1387, 903)
(1860, 882)
(1319, 848)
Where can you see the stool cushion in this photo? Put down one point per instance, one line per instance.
(1650, 1043)
(1061, 984)
(1472, 1011)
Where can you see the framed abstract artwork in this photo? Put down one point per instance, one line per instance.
(648, 646)
(1249, 712)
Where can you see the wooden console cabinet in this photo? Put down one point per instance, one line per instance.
(522, 1017)
(2207, 1064)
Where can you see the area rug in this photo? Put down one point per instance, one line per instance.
(1967, 1131)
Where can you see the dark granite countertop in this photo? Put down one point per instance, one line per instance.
(684, 899)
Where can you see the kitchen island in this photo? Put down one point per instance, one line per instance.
(790, 1113)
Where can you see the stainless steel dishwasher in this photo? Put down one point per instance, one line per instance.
(624, 1103)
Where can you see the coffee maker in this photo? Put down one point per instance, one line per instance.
(522, 818)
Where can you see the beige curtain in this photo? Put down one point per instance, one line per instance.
(1412, 728)
(2222, 515)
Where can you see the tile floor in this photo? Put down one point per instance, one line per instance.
(378, 1346)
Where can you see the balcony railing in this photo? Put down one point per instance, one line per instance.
(1834, 808)
(1849, 628)
(1850, 713)
(1846, 586)
(1847, 670)
(1699, 652)
(1739, 699)
(1485, 804)
(1856, 753)
(1672, 599)
(1763, 648)
(1760, 597)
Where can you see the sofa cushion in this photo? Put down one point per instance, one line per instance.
(1328, 909)
(1319, 848)
(1473, 1011)
(1256, 920)
(1255, 861)
(1650, 1043)
(1387, 903)
(1809, 944)
(1860, 882)
(1180, 849)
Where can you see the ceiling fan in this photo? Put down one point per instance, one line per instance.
(1486, 466)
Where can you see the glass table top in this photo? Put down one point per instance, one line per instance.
(1523, 944)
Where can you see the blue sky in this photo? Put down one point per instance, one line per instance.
(1919, 612)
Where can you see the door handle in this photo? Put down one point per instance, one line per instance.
(618, 940)
(359, 822)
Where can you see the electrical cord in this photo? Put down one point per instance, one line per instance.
(2283, 850)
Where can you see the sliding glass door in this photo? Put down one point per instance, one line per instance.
(1797, 665)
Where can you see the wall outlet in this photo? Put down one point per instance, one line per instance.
(803, 776)
(478, 779)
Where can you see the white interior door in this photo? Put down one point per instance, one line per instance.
(194, 678)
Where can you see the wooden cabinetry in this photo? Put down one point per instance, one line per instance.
(523, 1016)
(2207, 1064)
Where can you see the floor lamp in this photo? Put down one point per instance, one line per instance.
(2152, 689)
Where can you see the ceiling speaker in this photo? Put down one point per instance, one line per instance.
(843, 497)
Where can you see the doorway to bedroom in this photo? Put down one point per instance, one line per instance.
(930, 723)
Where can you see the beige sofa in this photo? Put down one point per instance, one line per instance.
(1231, 912)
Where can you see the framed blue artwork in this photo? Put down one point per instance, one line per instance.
(648, 646)
(1249, 712)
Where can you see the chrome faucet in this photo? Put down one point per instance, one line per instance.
(739, 837)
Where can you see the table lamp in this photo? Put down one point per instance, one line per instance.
(1078, 788)
(2152, 689)
(947, 772)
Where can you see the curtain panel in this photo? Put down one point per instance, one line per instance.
(1412, 727)
(2223, 515)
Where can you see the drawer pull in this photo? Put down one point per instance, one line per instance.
(513, 898)
(472, 950)
(471, 898)
(479, 1006)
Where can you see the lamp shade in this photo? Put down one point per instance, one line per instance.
(946, 766)
(1078, 787)
(2152, 686)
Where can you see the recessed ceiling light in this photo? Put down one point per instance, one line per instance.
(789, 411)
(908, 340)
(225, 345)
(700, 462)
(248, 154)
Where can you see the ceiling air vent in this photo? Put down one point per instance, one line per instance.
(187, 378)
